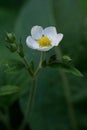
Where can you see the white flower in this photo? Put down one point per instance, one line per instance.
(43, 39)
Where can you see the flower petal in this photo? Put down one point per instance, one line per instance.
(36, 32)
(31, 43)
(50, 32)
(44, 48)
(58, 39)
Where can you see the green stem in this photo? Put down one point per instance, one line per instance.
(26, 64)
(29, 104)
(40, 63)
(32, 92)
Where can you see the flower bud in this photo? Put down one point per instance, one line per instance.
(10, 37)
(13, 47)
(66, 58)
(20, 50)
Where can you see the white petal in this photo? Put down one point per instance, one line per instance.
(50, 32)
(36, 32)
(31, 43)
(58, 39)
(44, 48)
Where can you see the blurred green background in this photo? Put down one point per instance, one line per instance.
(51, 109)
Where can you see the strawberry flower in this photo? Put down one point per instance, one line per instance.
(43, 39)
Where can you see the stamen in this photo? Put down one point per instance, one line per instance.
(44, 41)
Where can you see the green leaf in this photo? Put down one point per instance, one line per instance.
(66, 68)
(13, 65)
(9, 89)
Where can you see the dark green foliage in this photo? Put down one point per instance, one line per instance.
(50, 111)
(66, 68)
(9, 89)
(12, 65)
(12, 4)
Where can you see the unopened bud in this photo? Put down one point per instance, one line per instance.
(66, 58)
(20, 50)
(13, 47)
(10, 37)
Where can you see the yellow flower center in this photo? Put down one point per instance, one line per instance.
(44, 41)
